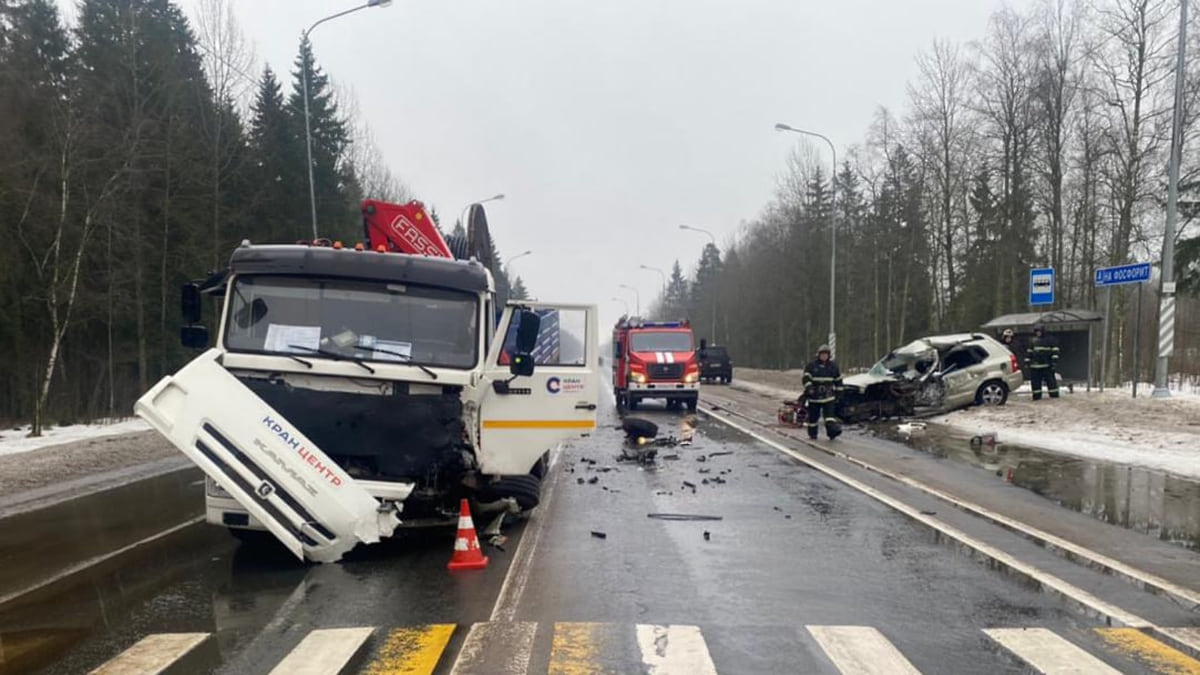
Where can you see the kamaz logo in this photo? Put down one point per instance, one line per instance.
(287, 469)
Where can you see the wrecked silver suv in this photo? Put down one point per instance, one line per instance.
(931, 375)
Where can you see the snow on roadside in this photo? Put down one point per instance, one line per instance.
(13, 441)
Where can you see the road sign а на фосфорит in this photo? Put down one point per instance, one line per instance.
(1123, 274)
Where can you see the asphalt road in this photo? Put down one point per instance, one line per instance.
(794, 558)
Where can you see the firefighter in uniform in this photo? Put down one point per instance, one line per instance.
(822, 382)
(1042, 359)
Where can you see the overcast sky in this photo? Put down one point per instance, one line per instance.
(608, 123)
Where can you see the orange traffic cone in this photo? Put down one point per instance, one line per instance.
(467, 554)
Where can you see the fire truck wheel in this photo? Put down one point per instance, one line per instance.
(691, 405)
(632, 404)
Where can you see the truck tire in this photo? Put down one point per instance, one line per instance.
(632, 403)
(692, 403)
(527, 490)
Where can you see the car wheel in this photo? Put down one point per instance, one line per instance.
(526, 490)
(992, 392)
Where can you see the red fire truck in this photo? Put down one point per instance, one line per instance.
(655, 359)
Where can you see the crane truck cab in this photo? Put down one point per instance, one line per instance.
(354, 391)
(655, 359)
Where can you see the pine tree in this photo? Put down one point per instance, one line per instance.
(518, 290)
(330, 140)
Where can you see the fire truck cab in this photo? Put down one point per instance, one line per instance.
(655, 359)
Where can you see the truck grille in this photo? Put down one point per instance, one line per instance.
(665, 371)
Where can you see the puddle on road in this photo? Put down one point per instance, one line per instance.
(1151, 502)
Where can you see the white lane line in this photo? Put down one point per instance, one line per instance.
(1140, 576)
(325, 651)
(152, 654)
(1111, 612)
(674, 650)
(861, 650)
(517, 577)
(1048, 653)
(92, 562)
(496, 648)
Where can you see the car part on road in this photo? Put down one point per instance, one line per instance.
(635, 427)
(682, 516)
(599, 535)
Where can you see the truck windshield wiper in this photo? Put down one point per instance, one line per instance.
(334, 355)
(405, 358)
(299, 360)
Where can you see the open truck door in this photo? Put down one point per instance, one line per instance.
(541, 392)
(284, 480)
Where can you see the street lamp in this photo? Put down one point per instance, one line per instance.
(623, 302)
(832, 232)
(519, 255)
(312, 189)
(462, 216)
(637, 299)
(661, 274)
(713, 240)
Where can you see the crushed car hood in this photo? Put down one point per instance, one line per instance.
(863, 380)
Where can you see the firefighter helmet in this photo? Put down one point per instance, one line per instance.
(1008, 332)
(824, 349)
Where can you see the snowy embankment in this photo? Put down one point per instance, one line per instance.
(1109, 426)
(13, 441)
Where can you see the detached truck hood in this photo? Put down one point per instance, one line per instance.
(261, 459)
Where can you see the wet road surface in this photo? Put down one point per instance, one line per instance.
(1159, 504)
(795, 558)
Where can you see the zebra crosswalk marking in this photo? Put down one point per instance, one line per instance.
(667, 650)
(1048, 653)
(152, 654)
(325, 651)
(415, 650)
(861, 650)
(1146, 649)
(496, 648)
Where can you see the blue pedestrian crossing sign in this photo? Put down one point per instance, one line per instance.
(1041, 286)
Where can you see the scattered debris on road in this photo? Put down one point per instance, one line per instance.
(683, 516)
(599, 535)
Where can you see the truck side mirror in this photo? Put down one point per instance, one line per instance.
(521, 365)
(193, 337)
(190, 306)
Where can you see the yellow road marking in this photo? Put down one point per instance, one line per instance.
(576, 649)
(412, 651)
(539, 424)
(1160, 657)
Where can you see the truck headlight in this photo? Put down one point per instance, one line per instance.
(691, 377)
(640, 378)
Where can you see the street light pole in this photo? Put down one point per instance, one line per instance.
(307, 65)
(637, 299)
(623, 301)
(712, 335)
(519, 255)
(1166, 306)
(832, 233)
(661, 274)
